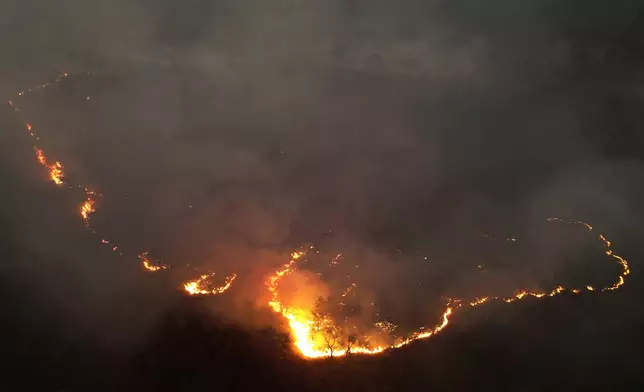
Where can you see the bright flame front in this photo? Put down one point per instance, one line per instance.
(310, 334)
(203, 286)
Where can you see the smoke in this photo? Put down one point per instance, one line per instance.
(225, 134)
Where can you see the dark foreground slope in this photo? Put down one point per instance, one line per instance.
(568, 343)
(69, 323)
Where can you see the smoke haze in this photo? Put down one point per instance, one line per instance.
(417, 138)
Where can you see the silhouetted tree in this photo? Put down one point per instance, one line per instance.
(323, 324)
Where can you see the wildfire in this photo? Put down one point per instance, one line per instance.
(307, 333)
(56, 173)
(41, 157)
(202, 285)
(149, 265)
(479, 301)
(86, 209)
(318, 336)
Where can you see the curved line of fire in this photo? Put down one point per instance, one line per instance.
(300, 320)
(303, 326)
(56, 173)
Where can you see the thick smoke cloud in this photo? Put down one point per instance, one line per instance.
(224, 134)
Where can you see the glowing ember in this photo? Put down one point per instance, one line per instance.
(479, 301)
(56, 173)
(149, 265)
(310, 336)
(202, 285)
(55, 169)
(315, 334)
(87, 208)
(348, 290)
(41, 157)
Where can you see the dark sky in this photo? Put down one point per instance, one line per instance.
(226, 133)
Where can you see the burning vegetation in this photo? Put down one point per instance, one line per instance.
(315, 320)
(203, 285)
(318, 329)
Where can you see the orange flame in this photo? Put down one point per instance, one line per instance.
(56, 173)
(86, 209)
(149, 265)
(301, 320)
(28, 126)
(202, 286)
(41, 157)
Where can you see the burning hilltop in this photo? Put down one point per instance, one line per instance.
(318, 331)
